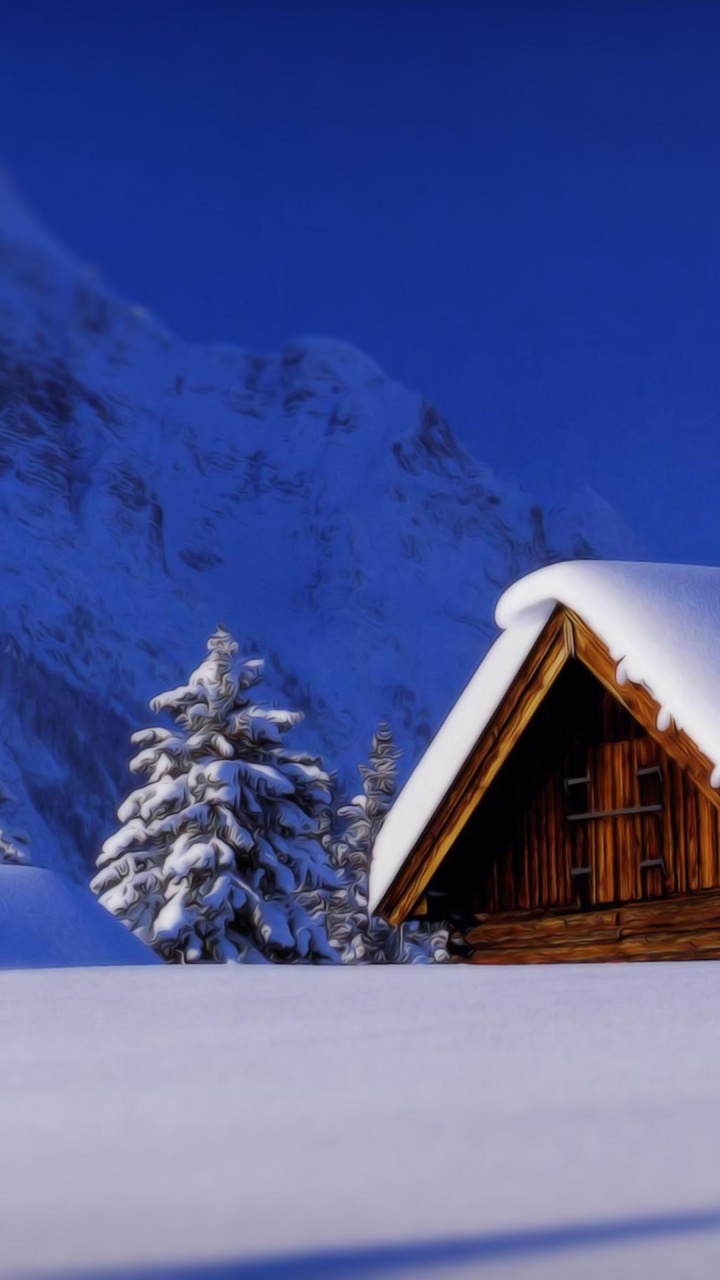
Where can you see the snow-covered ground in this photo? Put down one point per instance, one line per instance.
(290, 1121)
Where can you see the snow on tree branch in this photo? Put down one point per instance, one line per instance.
(220, 854)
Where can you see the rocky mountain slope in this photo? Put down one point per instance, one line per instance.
(150, 489)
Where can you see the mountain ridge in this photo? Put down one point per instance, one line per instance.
(150, 488)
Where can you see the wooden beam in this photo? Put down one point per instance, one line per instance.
(569, 634)
(696, 944)
(686, 927)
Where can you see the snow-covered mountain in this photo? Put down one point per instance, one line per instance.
(150, 489)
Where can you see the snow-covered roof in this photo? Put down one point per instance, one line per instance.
(660, 622)
(47, 921)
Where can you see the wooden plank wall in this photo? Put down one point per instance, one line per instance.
(531, 867)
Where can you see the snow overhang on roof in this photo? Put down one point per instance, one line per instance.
(661, 624)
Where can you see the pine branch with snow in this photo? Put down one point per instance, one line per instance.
(219, 855)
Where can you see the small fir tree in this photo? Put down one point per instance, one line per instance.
(10, 850)
(220, 854)
(361, 819)
(358, 936)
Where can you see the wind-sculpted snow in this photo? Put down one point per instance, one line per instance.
(150, 490)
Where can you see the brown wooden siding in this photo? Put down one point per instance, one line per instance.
(531, 868)
(518, 850)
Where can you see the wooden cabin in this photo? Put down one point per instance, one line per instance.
(568, 809)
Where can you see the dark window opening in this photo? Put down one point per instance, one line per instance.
(650, 794)
(577, 796)
(650, 787)
(581, 881)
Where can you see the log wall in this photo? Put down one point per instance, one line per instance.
(684, 927)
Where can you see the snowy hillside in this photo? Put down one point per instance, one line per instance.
(150, 489)
(47, 922)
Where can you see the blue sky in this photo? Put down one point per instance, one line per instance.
(514, 208)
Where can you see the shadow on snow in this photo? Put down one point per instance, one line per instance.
(369, 1260)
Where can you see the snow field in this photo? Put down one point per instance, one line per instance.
(150, 1116)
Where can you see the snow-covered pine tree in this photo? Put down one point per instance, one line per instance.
(10, 850)
(361, 819)
(220, 854)
(358, 936)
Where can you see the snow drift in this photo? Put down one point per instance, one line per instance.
(46, 921)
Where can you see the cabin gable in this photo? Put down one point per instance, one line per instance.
(573, 800)
(514, 713)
